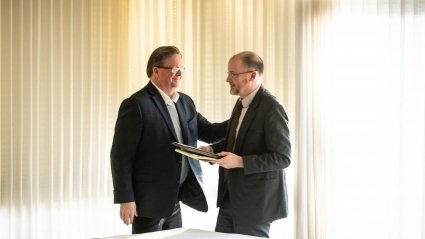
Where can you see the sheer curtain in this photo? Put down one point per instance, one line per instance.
(361, 140)
(61, 68)
(67, 64)
(349, 73)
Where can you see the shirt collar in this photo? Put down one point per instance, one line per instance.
(166, 98)
(249, 98)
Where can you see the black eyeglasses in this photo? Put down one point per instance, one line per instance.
(174, 69)
(234, 74)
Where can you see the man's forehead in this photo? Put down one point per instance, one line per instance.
(237, 63)
(173, 58)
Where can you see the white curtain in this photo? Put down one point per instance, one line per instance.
(349, 73)
(62, 65)
(65, 67)
(361, 138)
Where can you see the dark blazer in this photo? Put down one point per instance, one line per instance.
(145, 167)
(258, 192)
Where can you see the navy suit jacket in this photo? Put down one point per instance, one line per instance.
(258, 192)
(145, 167)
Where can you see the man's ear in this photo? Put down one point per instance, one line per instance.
(155, 70)
(253, 75)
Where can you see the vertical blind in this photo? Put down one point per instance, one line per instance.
(63, 69)
(349, 73)
(67, 64)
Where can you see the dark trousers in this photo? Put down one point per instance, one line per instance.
(226, 224)
(145, 224)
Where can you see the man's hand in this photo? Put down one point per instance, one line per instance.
(229, 160)
(128, 212)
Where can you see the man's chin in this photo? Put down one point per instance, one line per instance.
(175, 84)
(233, 91)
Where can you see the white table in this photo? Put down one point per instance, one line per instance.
(183, 233)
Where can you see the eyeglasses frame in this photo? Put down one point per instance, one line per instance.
(173, 69)
(232, 75)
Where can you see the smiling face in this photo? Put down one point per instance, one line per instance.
(164, 77)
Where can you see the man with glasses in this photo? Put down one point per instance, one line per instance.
(149, 177)
(252, 187)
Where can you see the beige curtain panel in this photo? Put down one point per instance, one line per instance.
(348, 72)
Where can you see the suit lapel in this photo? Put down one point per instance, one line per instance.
(162, 108)
(248, 118)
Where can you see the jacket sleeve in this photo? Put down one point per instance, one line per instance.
(275, 144)
(210, 132)
(128, 129)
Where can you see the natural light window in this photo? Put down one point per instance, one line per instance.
(375, 106)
